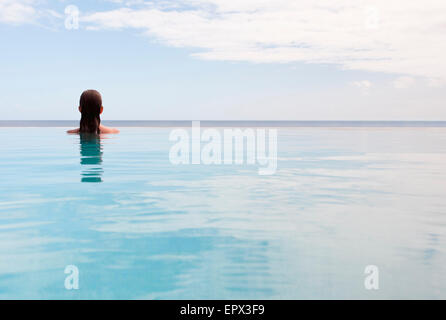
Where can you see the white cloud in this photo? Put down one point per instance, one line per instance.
(20, 12)
(363, 85)
(392, 36)
(434, 83)
(403, 82)
(17, 11)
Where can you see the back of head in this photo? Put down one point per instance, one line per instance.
(90, 107)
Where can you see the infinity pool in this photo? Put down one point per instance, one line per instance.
(138, 227)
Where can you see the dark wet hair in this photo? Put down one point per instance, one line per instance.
(90, 103)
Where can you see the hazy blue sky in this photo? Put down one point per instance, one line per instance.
(225, 59)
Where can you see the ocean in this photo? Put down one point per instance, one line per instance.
(346, 198)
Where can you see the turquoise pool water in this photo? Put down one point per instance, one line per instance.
(138, 227)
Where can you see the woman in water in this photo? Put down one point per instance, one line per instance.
(90, 107)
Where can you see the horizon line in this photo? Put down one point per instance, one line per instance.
(232, 123)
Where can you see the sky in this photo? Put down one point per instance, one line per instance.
(224, 59)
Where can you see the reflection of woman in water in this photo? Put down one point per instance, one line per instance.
(90, 107)
(91, 157)
(90, 130)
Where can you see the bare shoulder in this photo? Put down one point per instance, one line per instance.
(105, 129)
(73, 131)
